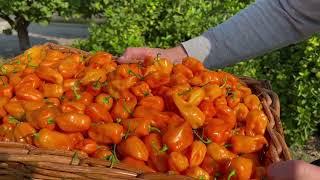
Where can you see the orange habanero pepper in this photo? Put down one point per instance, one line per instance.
(190, 113)
(108, 133)
(49, 139)
(73, 122)
(256, 123)
(240, 169)
(134, 147)
(178, 138)
(247, 144)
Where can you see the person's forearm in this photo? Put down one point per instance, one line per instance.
(264, 26)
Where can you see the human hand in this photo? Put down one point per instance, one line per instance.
(293, 170)
(134, 55)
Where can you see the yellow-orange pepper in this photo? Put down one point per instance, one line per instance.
(256, 123)
(160, 65)
(198, 173)
(190, 112)
(93, 75)
(219, 153)
(240, 169)
(198, 151)
(247, 144)
(196, 95)
(212, 91)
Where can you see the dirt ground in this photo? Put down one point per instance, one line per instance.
(308, 152)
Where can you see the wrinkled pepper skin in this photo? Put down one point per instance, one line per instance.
(198, 173)
(178, 162)
(219, 153)
(108, 133)
(158, 155)
(73, 122)
(178, 138)
(242, 167)
(247, 144)
(217, 130)
(197, 153)
(256, 123)
(134, 147)
(190, 113)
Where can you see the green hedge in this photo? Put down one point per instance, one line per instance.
(294, 71)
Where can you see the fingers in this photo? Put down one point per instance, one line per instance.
(293, 170)
(135, 55)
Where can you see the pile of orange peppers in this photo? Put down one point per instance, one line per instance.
(155, 116)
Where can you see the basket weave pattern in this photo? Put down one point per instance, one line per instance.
(23, 161)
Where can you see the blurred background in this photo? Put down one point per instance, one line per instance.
(113, 25)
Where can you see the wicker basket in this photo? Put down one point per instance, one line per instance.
(23, 161)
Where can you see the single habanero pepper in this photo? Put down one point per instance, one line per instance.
(178, 161)
(104, 99)
(52, 90)
(219, 153)
(179, 137)
(252, 102)
(141, 89)
(197, 153)
(256, 123)
(190, 113)
(212, 91)
(102, 152)
(157, 79)
(49, 74)
(196, 95)
(247, 144)
(241, 167)
(93, 75)
(183, 70)
(134, 147)
(193, 64)
(49, 139)
(108, 133)
(98, 113)
(227, 114)
(89, 146)
(217, 130)
(70, 66)
(73, 122)
(23, 133)
(15, 109)
(29, 94)
(157, 152)
(241, 112)
(136, 126)
(155, 102)
(197, 172)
